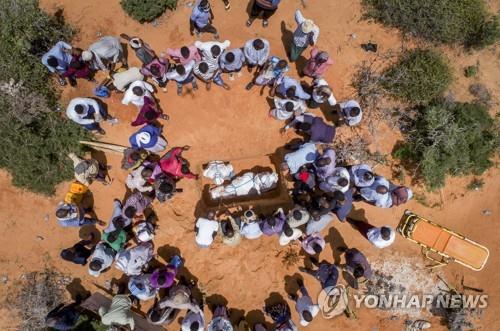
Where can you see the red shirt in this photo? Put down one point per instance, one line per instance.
(173, 164)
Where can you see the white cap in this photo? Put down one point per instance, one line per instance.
(86, 55)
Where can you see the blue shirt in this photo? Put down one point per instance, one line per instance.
(153, 132)
(288, 82)
(200, 17)
(277, 72)
(319, 225)
(327, 274)
(59, 51)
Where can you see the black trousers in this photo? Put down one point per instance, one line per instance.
(257, 10)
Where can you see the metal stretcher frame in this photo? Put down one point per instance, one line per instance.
(447, 244)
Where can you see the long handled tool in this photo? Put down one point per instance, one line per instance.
(105, 147)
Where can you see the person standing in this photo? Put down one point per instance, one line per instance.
(165, 277)
(231, 61)
(149, 138)
(183, 74)
(138, 179)
(304, 154)
(270, 74)
(88, 113)
(351, 112)
(184, 55)
(229, 231)
(79, 253)
(220, 320)
(105, 53)
(72, 215)
(304, 305)
(274, 224)
(318, 63)
(321, 93)
(339, 180)
(381, 237)
(132, 260)
(313, 126)
(256, 53)
(362, 175)
(193, 321)
(291, 88)
(285, 109)
(206, 230)
(58, 59)
(377, 193)
(325, 164)
(134, 206)
(208, 71)
(173, 164)
(306, 34)
(201, 19)
(87, 171)
(63, 317)
(313, 244)
(101, 259)
(78, 68)
(149, 113)
(281, 315)
(157, 70)
(357, 263)
(140, 287)
(327, 274)
(266, 8)
(136, 93)
(118, 313)
(250, 225)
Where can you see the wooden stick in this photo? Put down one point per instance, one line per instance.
(106, 146)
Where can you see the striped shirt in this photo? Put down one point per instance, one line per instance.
(256, 57)
(239, 59)
(301, 39)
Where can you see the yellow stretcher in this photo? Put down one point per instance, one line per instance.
(448, 245)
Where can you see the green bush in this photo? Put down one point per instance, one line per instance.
(35, 139)
(449, 139)
(465, 22)
(147, 10)
(418, 77)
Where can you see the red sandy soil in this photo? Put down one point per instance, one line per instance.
(230, 125)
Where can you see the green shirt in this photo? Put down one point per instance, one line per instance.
(118, 244)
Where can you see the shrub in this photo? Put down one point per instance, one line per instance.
(418, 77)
(26, 33)
(35, 140)
(465, 22)
(38, 293)
(147, 10)
(450, 139)
(470, 71)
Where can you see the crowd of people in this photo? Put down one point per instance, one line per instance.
(322, 189)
